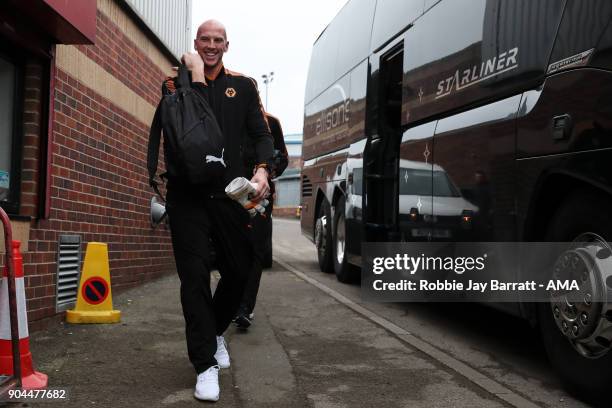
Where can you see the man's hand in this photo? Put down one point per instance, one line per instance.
(261, 178)
(194, 63)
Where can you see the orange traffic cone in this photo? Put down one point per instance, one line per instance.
(30, 379)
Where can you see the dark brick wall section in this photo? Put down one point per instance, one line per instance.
(99, 191)
(30, 162)
(99, 186)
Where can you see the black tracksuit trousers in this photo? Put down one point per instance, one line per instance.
(262, 239)
(195, 221)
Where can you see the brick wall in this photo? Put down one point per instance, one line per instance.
(286, 212)
(118, 55)
(104, 98)
(32, 121)
(295, 163)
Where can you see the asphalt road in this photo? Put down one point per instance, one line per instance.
(500, 347)
(314, 343)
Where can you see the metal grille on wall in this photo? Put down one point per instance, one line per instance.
(68, 271)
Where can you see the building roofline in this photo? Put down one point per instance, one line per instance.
(142, 24)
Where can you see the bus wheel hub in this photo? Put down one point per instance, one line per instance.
(584, 314)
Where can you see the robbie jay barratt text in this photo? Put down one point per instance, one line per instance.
(453, 285)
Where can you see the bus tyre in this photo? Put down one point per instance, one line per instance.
(323, 238)
(344, 271)
(577, 335)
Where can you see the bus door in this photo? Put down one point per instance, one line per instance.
(381, 153)
(473, 174)
(415, 183)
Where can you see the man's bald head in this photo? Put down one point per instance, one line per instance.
(211, 43)
(212, 25)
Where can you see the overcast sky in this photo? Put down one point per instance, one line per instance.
(272, 35)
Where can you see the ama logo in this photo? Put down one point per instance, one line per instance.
(562, 285)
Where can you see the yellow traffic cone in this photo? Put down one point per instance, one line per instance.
(94, 299)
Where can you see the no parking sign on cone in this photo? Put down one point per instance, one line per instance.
(94, 299)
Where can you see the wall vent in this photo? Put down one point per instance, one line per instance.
(68, 271)
(306, 186)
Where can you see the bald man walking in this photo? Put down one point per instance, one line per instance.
(201, 214)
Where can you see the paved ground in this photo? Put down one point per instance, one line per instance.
(491, 348)
(313, 344)
(304, 351)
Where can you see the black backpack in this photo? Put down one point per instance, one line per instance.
(193, 142)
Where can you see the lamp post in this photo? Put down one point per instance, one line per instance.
(267, 79)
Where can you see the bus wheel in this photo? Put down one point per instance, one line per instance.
(323, 238)
(344, 271)
(576, 326)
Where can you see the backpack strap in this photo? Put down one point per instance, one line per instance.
(153, 149)
(183, 77)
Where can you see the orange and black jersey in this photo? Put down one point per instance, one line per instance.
(235, 102)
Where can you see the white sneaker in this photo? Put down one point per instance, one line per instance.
(222, 355)
(207, 386)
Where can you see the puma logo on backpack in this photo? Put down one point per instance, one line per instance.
(210, 158)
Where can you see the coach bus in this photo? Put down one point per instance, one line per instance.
(421, 115)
